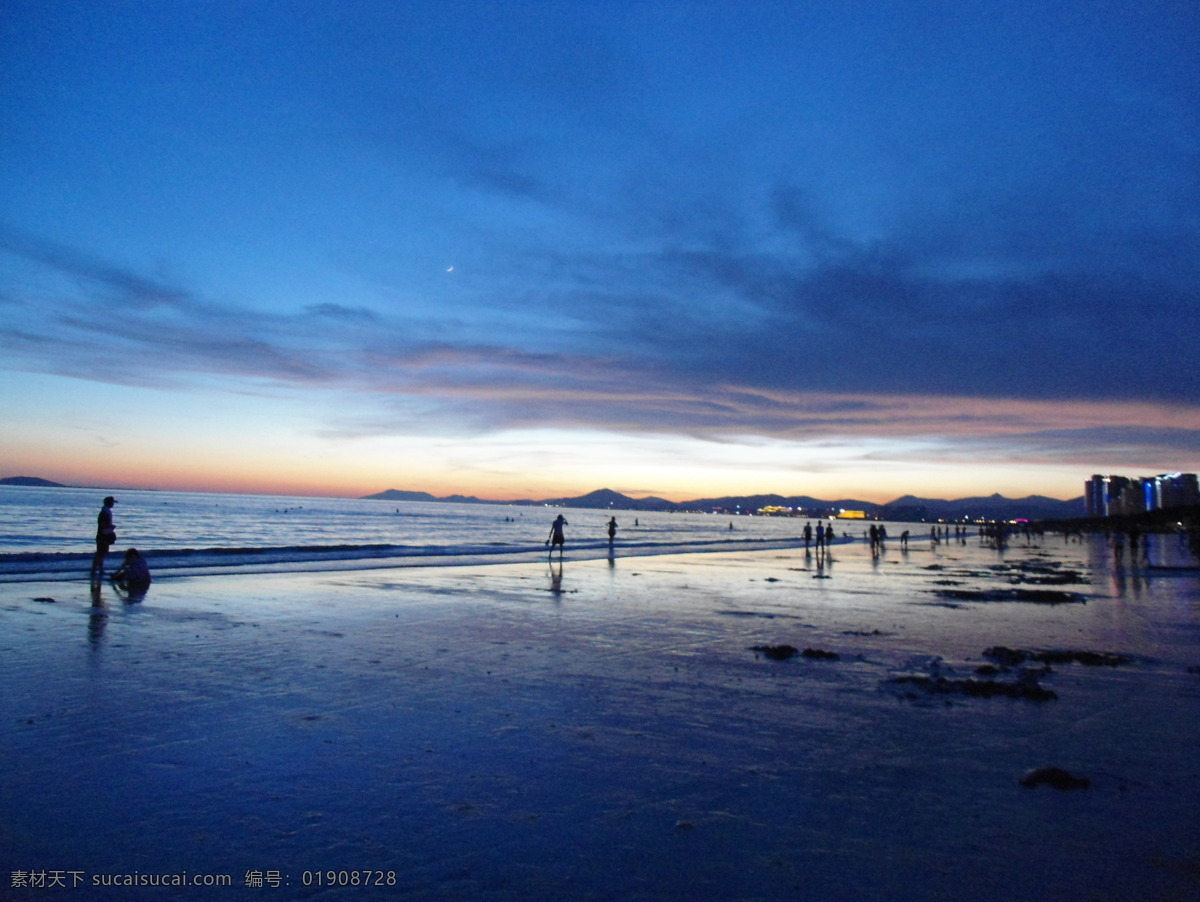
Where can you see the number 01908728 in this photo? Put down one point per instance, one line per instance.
(348, 878)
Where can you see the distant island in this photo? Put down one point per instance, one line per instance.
(33, 481)
(906, 509)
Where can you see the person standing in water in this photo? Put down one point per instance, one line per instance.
(106, 535)
(612, 531)
(556, 534)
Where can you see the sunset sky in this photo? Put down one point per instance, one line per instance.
(531, 249)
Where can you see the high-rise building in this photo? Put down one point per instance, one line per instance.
(1176, 490)
(1103, 493)
(1114, 496)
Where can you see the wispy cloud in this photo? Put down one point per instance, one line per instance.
(846, 351)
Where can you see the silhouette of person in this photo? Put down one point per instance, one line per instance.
(807, 535)
(612, 530)
(133, 576)
(106, 535)
(1135, 535)
(556, 534)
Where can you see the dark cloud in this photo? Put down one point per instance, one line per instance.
(903, 316)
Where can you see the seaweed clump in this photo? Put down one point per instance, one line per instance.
(783, 652)
(1024, 687)
(1033, 596)
(818, 654)
(1011, 657)
(1055, 777)
(776, 652)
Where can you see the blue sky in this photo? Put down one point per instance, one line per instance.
(534, 248)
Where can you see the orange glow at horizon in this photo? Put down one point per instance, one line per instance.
(919, 446)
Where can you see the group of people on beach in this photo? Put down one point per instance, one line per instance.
(824, 534)
(133, 576)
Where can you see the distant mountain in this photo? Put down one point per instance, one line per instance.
(33, 481)
(397, 495)
(605, 499)
(908, 508)
(464, 499)
(734, 503)
(994, 507)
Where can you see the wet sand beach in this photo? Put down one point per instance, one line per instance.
(626, 729)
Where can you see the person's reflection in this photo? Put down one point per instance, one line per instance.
(98, 619)
(556, 576)
(824, 564)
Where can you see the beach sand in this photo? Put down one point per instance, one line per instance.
(607, 730)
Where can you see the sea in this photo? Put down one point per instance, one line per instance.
(49, 533)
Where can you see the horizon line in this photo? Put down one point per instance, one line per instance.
(7, 482)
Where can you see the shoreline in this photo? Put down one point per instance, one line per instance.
(168, 563)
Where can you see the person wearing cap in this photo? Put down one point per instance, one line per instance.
(106, 535)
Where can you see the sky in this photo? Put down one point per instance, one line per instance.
(531, 249)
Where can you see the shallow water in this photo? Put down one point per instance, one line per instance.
(605, 730)
(49, 533)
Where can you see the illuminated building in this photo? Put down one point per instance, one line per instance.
(1115, 496)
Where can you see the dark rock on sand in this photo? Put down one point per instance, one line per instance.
(1010, 657)
(45, 600)
(776, 652)
(818, 654)
(1026, 687)
(1039, 573)
(1054, 776)
(1063, 578)
(1033, 596)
